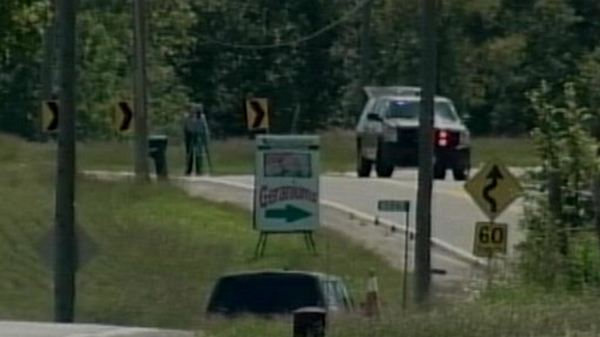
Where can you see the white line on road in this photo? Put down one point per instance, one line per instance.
(457, 252)
(119, 332)
(436, 242)
(457, 193)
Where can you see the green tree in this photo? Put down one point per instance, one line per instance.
(589, 81)
(242, 51)
(105, 43)
(553, 252)
(21, 24)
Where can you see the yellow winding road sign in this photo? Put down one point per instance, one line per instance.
(493, 189)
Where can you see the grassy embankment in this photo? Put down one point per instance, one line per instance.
(235, 156)
(157, 251)
(513, 314)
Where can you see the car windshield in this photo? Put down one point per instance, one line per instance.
(336, 294)
(265, 294)
(410, 110)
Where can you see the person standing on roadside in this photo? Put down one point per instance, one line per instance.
(196, 136)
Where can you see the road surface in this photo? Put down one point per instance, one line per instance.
(29, 329)
(453, 216)
(349, 206)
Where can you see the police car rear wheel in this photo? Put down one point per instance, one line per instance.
(384, 170)
(364, 167)
(439, 170)
(461, 168)
(383, 167)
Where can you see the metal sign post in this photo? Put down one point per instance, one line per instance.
(493, 189)
(400, 206)
(286, 187)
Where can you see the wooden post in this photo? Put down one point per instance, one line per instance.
(47, 72)
(141, 124)
(365, 60)
(423, 226)
(65, 240)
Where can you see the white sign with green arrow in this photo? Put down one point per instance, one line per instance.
(286, 191)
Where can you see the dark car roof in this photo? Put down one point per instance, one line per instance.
(318, 275)
(268, 292)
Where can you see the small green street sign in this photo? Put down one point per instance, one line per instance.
(393, 205)
(290, 213)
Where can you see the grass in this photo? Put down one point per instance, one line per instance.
(235, 156)
(518, 152)
(570, 317)
(505, 312)
(156, 251)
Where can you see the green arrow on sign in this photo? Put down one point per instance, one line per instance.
(290, 213)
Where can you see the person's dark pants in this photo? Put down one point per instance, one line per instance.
(193, 154)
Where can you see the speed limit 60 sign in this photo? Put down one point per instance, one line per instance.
(490, 238)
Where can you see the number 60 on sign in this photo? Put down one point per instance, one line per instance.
(490, 238)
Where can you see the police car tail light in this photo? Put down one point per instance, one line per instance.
(447, 138)
(442, 138)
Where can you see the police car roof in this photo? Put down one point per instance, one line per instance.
(399, 92)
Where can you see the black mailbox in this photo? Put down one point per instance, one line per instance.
(157, 150)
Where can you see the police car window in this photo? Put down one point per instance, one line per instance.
(380, 107)
(410, 110)
(444, 110)
(403, 109)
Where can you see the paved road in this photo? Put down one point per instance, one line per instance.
(453, 215)
(347, 201)
(28, 329)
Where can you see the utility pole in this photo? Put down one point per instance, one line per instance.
(66, 259)
(428, 73)
(365, 42)
(365, 54)
(47, 71)
(140, 99)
